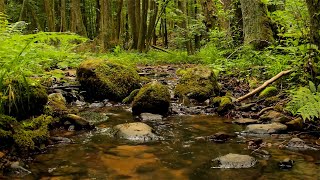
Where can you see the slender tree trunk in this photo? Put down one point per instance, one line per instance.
(98, 17)
(138, 14)
(143, 26)
(23, 9)
(256, 24)
(182, 5)
(63, 26)
(152, 21)
(133, 22)
(118, 20)
(314, 11)
(77, 25)
(2, 6)
(49, 9)
(197, 37)
(105, 33)
(35, 18)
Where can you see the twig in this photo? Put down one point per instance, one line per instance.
(155, 47)
(264, 85)
(264, 110)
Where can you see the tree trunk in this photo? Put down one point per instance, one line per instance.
(77, 25)
(256, 24)
(210, 14)
(197, 37)
(133, 23)
(2, 6)
(182, 5)
(23, 9)
(143, 26)
(105, 32)
(118, 20)
(63, 26)
(152, 21)
(49, 9)
(314, 11)
(35, 18)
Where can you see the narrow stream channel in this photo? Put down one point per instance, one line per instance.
(97, 155)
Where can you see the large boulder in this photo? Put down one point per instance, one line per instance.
(136, 132)
(152, 98)
(22, 100)
(199, 83)
(107, 80)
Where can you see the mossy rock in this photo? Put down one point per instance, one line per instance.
(130, 98)
(103, 79)
(224, 104)
(199, 83)
(56, 105)
(32, 132)
(24, 100)
(268, 92)
(153, 98)
(26, 134)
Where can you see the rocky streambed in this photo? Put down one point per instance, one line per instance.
(168, 128)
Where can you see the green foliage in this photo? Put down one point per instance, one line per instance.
(306, 102)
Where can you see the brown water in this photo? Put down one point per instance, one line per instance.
(97, 155)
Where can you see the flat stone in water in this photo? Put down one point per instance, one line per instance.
(245, 121)
(235, 161)
(299, 144)
(150, 117)
(136, 132)
(272, 128)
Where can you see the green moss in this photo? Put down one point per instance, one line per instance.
(271, 100)
(107, 80)
(223, 103)
(7, 124)
(32, 132)
(56, 105)
(130, 98)
(268, 92)
(198, 83)
(153, 98)
(24, 100)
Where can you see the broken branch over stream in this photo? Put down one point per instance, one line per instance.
(264, 85)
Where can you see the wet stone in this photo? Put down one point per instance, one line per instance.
(135, 132)
(245, 121)
(272, 128)
(298, 144)
(235, 161)
(96, 105)
(150, 117)
(287, 163)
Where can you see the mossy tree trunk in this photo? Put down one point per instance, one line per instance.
(2, 6)
(256, 24)
(63, 25)
(106, 26)
(210, 14)
(314, 11)
(77, 25)
(49, 9)
(143, 26)
(133, 23)
(118, 20)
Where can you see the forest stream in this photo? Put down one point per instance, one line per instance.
(181, 154)
(188, 143)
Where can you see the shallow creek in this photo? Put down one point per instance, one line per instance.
(97, 155)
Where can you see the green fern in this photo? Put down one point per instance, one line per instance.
(306, 103)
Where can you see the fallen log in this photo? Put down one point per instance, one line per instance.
(264, 85)
(160, 49)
